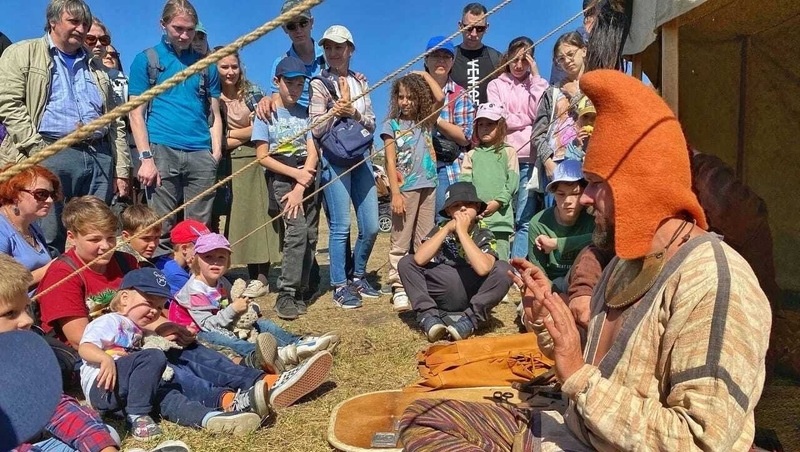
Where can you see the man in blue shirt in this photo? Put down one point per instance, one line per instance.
(48, 88)
(179, 146)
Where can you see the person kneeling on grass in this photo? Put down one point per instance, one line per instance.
(455, 278)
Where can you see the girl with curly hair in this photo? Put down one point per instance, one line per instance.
(411, 167)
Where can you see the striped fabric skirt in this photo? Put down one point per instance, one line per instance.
(457, 426)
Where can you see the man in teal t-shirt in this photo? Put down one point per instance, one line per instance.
(559, 233)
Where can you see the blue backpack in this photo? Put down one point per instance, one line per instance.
(346, 143)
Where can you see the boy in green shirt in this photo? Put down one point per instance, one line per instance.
(559, 233)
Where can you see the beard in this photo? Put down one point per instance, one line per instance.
(603, 236)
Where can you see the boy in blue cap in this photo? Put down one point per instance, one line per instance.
(559, 233)
(291, 167)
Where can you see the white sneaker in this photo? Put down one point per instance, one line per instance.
(166, 446)
(310, 345)
(400, 301)
(288, 356)
(303, 379)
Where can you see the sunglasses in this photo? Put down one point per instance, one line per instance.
(293, 25)
(42, 195)
(113, 54)
(469, 28)
(91, 40)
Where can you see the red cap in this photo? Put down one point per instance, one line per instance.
(187, 231)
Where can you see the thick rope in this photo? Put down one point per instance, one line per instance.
(434, 113)
(87, 130)
(320, 120)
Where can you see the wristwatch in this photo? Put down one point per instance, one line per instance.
(145, 154)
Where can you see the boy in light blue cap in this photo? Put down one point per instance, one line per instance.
(559, 233)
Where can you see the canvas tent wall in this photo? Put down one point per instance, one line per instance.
(738, 85)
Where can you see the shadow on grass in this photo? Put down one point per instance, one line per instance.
(323, 389)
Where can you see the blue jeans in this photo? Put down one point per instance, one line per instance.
(201, 377)
(55, 445)
(245, 348)
(524, 209)
(138, 378)
(358, 187)
(441, 189)
(83, 170)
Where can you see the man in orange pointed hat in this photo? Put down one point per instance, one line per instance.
(679, 326)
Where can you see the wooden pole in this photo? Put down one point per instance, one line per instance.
(669, 64)
(741, 138)
(637, 66)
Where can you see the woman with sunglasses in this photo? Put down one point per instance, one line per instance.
(24, 199)
(119, 81)
(356, 187)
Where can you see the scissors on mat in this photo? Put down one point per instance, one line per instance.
(501, 396)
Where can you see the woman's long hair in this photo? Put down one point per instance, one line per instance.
(516, 44)
(242, 84)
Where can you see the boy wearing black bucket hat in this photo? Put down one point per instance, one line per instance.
(455, 278)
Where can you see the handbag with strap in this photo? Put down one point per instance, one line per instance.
(483, 361)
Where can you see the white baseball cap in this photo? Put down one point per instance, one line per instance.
(338, 34)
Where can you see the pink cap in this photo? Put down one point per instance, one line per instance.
(211, 242)
(491, 110)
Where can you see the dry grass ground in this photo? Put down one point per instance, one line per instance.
(378, 352)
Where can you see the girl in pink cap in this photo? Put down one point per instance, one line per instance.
(497, 177)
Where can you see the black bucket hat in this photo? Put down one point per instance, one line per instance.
(461, 192)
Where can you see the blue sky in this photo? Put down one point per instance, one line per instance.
(387, 34)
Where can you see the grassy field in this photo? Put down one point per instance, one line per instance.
(378, 352)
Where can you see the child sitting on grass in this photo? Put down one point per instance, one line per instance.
(72, 427)
(455, 278)
(493, 168)
(204, 305)
(116, 374)
(134, 220)
(557, 234)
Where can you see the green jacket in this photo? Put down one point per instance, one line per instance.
(495, 174)
(25, 69)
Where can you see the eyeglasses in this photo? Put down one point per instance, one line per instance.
(293, 25)
(113, 54)
(91, 40)
(561, 59)
(468, 28)
(42, 195)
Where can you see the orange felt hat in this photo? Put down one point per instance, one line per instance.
(638, 148)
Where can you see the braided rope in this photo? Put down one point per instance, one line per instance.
(86, 131)
(320, 120)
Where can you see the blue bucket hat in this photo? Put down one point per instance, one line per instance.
(566, 171)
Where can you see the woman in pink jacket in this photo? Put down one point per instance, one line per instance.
(519, 88)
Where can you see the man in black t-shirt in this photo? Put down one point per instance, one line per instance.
(474, 60)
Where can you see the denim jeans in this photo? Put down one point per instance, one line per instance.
(83, 169)
(55, 445)
(243, 347)
(441, 190)
(138, 378)
(524, 209)
(184, 175)
(299, 239)
(358, 187)
(201, 377)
